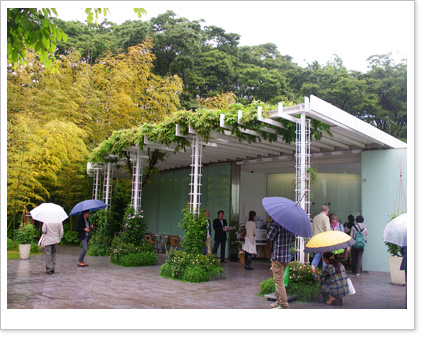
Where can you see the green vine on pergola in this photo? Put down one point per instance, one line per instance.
(203, 121)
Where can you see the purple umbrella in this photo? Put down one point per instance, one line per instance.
(88, 205)
(289, 215)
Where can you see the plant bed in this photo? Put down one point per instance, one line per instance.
(191, 267)
(303, 284)
(130, 255)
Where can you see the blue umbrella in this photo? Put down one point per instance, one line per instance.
(88, 205)
(289, 215)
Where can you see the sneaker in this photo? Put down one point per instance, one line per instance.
(275, 304)
(280, 307)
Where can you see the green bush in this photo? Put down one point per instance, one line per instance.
(11, 245)
(99, 245)
(305, 292)
(266, 287)
(195, 227)
(130, 255)
(191, 267)
(35, 249)
(137, 259)
(303, 283)
(134, 227)
(70, 238)
(25, 234)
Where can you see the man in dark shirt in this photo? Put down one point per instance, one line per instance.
(220, 236)
(282, 241)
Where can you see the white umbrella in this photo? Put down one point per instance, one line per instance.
(49, 213)
(396, 231)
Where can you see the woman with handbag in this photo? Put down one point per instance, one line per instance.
(333, 279)
(53, 233)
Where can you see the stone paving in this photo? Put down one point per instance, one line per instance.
(113, 287)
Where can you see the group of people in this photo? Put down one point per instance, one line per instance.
(220, 237)
(327, 222)
(53, 235)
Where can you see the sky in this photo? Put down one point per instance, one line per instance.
(305, 30)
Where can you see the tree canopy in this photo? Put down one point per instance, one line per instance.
(114, 84)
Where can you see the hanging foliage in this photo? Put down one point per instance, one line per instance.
(203, 121)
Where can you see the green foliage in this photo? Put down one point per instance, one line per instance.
(305, 292)
(195, 227)
(191, 267)
(25, 234)
(11, 245)
(301, 273)
(69, 238)
(393, 249)
(137, 259)
(266, 287)
(303, 283)
(32, 28)
(130, 255)
(134, 227)
(35, 249)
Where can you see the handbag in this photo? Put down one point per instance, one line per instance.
(351, 287)
(41, 240)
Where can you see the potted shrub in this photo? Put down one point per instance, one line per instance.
(24, 236)
(394, 260)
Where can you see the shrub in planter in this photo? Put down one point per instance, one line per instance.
(25, 234)
(191, 267)
(303, 283)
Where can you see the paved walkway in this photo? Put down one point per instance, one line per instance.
(114, 287)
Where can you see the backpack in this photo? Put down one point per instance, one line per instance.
(360, 239)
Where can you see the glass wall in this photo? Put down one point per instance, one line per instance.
(342, 192)
(164, 198)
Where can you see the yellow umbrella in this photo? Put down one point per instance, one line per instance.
(329, 241)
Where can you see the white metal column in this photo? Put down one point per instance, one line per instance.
(97, 184)
(107, 185)
(137, 182)
(195, 176)
(303, 155)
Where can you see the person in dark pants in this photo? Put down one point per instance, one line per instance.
(250, 245)
(53, 234)
(83, 227)
(358, 253)
(220, 236)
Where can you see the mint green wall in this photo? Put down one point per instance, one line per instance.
(340, 191)
(380, 183)
(164, 198)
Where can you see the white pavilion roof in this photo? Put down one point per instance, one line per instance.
(340, 152)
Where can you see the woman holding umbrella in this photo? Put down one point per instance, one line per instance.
(83, 227)
(333, 279)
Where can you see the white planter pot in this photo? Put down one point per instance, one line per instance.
(24, 251)
(397, 275)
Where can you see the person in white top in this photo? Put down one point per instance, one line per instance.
(249, 246)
